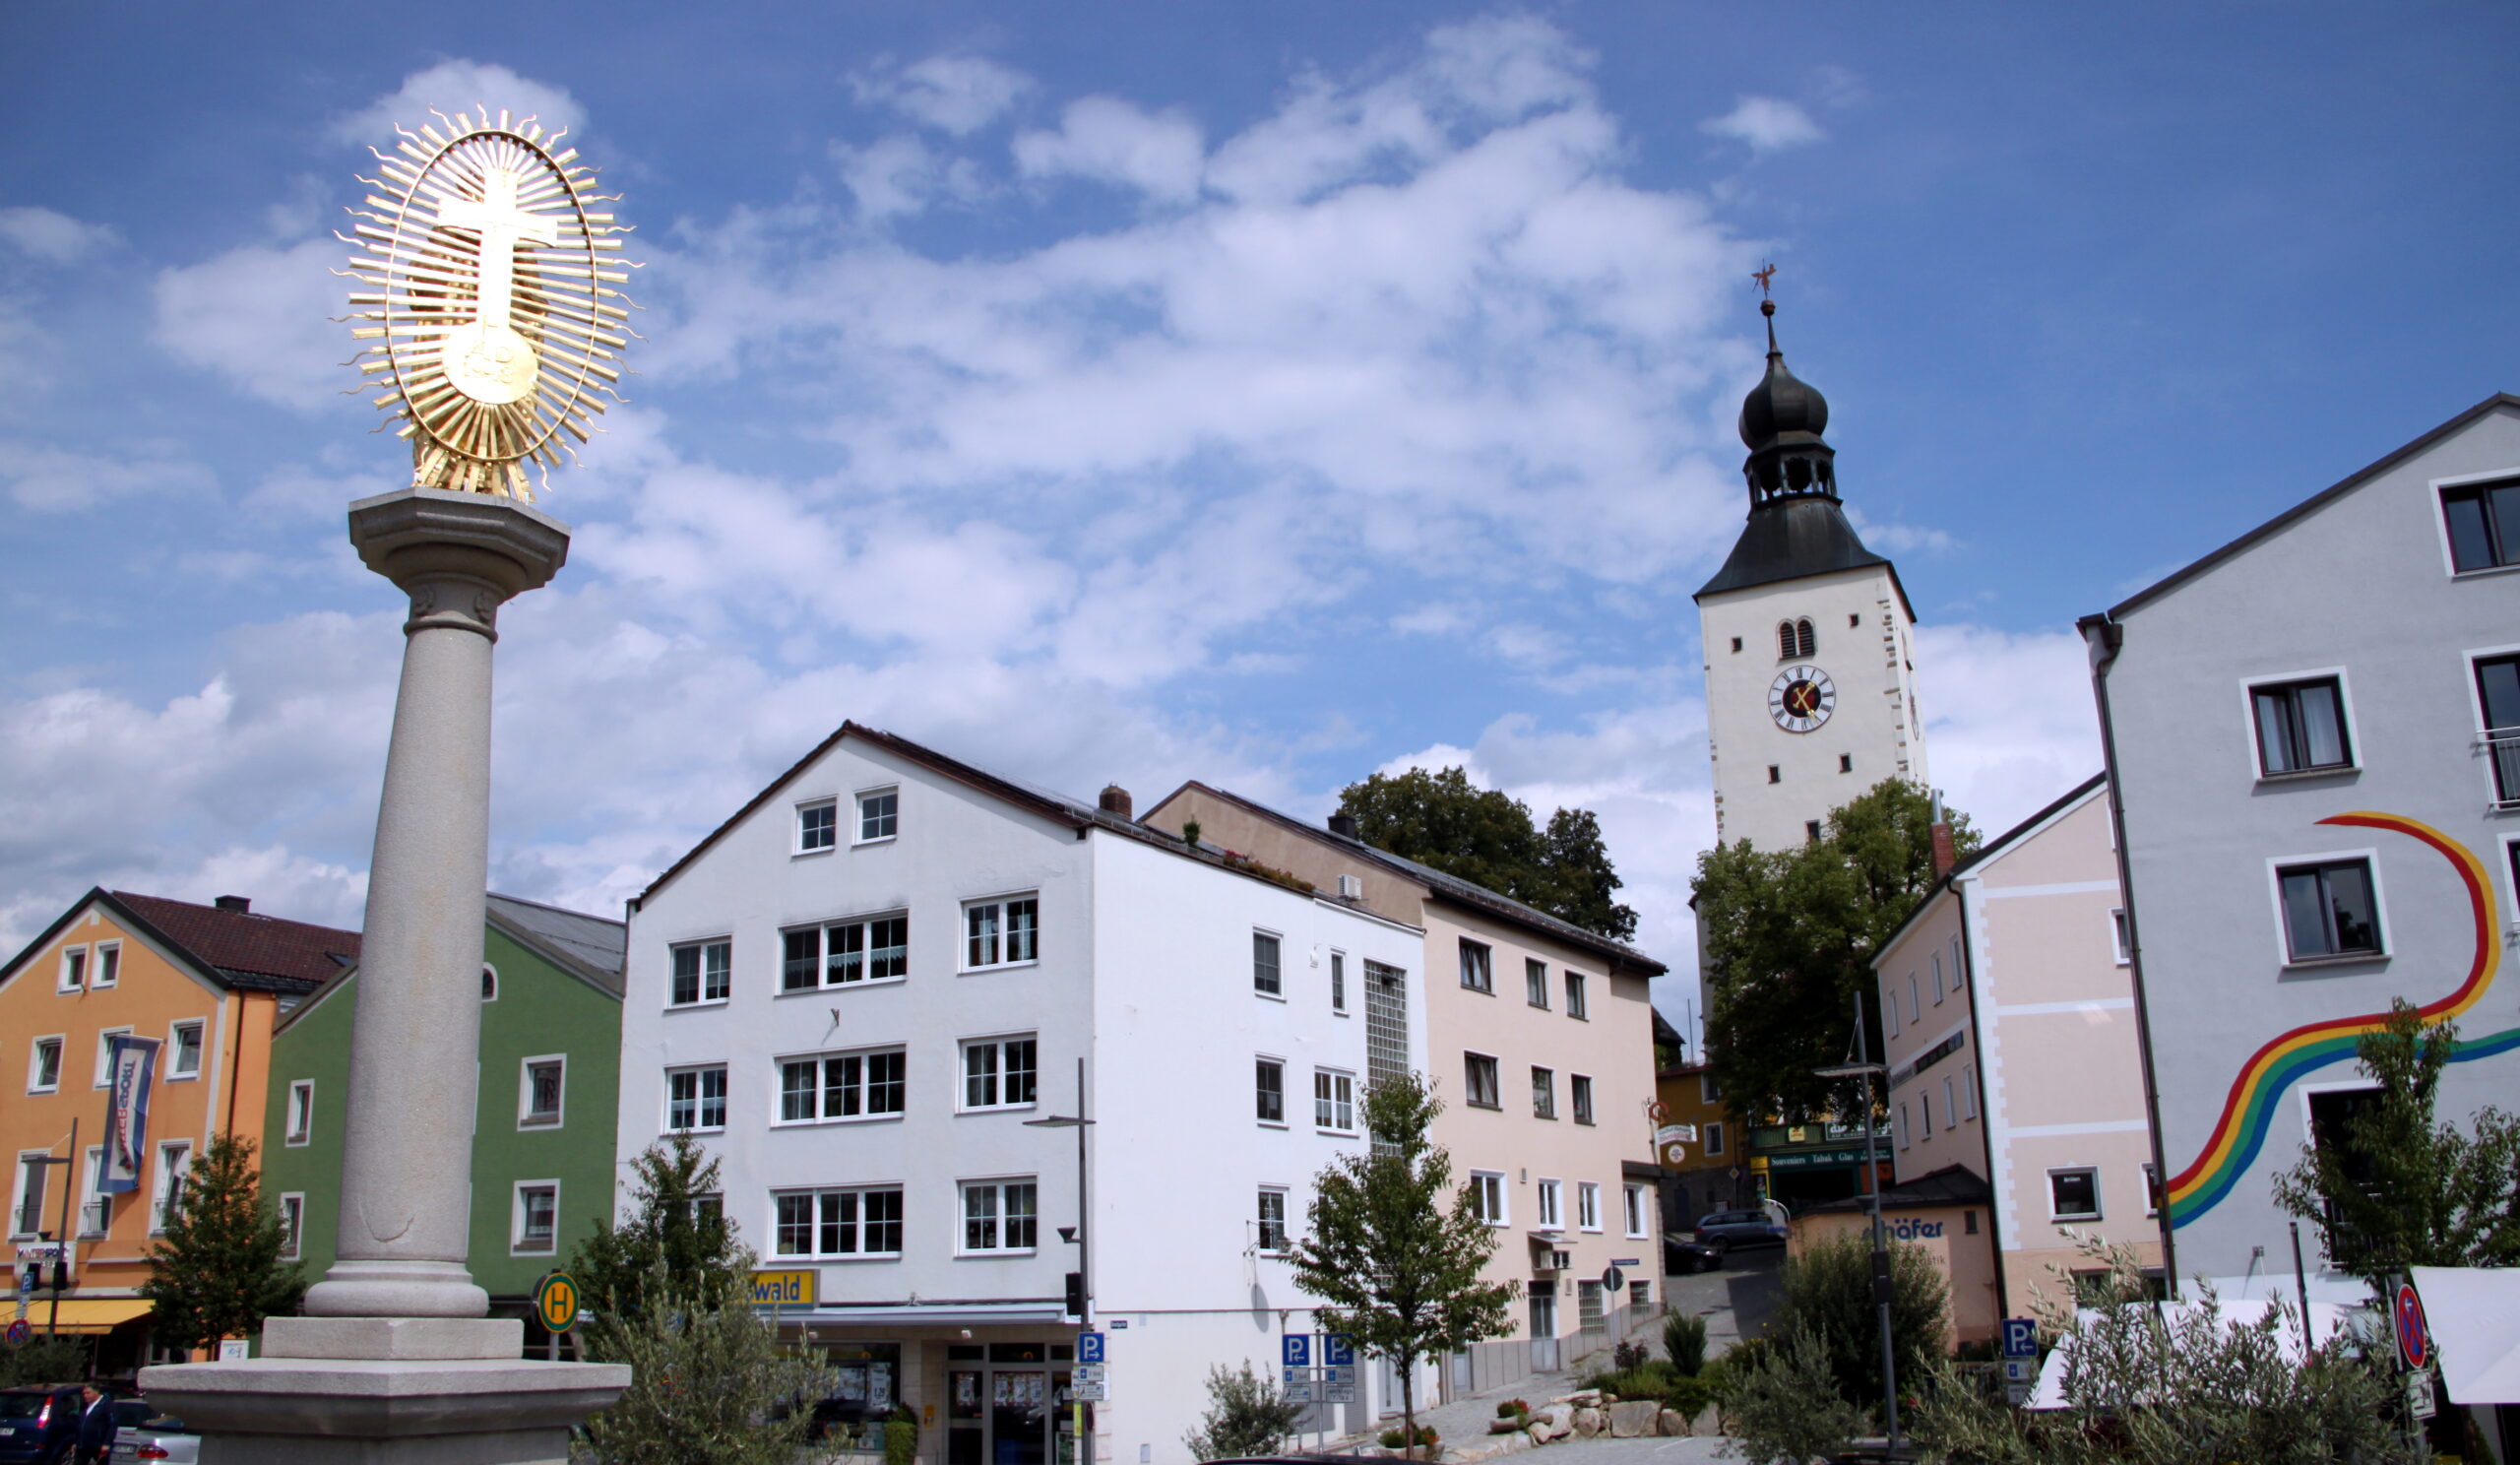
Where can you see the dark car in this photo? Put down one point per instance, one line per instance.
(38, 1425)
(1682, 1256)
(1734, 1230)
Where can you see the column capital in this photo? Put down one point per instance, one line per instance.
(459, 557)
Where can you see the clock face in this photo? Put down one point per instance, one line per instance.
(1802, 698)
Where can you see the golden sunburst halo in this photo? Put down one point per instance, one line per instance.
(488, 296)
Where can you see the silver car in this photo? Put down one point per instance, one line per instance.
(156, 1439)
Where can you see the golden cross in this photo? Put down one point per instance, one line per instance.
(503, 226)
(1763, 276)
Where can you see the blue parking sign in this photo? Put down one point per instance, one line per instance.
(1088, 1348)
(1338, 1350)
(2021, 1338)
(1298, 1351)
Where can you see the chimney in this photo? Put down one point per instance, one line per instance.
(237, 902)
(1115, 801)
(1343, 825)
(1944, 855)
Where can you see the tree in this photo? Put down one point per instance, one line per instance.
(1827, 1297)
(677, 1231)
(708, 1384)
(1394, 1258)
(1247, 1415)
(1790, 936)
(1487, 837)
(217, 1272)
(2396, 1188)
(1782, 1409)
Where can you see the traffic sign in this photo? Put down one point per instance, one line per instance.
(556, 1302)
(2419, 1394)
(2021, 1369)
(1086, 1372)
(1296, 1351)
(2414, 1344)
(1339, 1385)
(1088, 1348)
(2021, 1337)
(1612, 1279)
(19, 1332)
(1087, 1393)
(1338, 1350)
(1299, 1386)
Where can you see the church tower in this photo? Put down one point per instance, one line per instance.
(1810, 676)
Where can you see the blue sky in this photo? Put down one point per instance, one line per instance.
(1263, 394)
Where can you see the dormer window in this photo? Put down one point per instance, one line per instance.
(1793, 638)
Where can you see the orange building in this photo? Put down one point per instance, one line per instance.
(207, 982)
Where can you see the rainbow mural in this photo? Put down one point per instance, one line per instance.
(2240, 1132)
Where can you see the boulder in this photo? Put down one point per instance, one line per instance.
(1538, 1431)
(1559, 1416)
(1631, 1418)
(1587, 1422)
(1505, 1424)
(1671, 1421)
(1708, 1422)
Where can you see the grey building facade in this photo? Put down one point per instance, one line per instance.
(2314, 746)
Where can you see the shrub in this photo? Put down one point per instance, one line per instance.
(1512, 1409)
(1684, 1342)
(44, 1361)
(1828, 1296)
(1626, 1356)
(1785, 1407)
(1247, 1415)
(1393, 1439)
(1689, 1396)
(901, 1439)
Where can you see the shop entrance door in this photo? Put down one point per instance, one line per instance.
(1000, 1403)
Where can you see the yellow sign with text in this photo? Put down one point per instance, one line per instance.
(785, 1289)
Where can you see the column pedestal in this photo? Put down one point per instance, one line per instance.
(395, 1361)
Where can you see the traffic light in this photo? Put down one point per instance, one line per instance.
(1076, 1294)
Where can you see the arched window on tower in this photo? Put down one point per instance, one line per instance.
(1811, 645)
(1784, 639)
(1793, 638)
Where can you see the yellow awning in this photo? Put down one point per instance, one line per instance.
(85, 1314)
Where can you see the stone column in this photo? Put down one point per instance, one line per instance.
(396, 1360)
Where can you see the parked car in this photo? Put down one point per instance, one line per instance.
(1682, 1256)
(38, 1423)
(153, 1436)
(1737, 1229)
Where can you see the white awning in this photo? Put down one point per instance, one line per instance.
(928, 1315)
(2475, 1317)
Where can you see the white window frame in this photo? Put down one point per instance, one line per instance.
(1483, 966)
(525, 1115)
(822, 1060)
(674, 956)
(1260, 1222)
(2441, 523)
(2118, 936)
(1549, 1205)
(995, 1043)
(1536, 982)
(1916, 1012)
(816, 1194)
(2098, 1210)
(1937, 978)
(2468, 659)
(1634, 1212)
(1001, 936)
(74, 970)
(1969, 1090)
(1544, 1092)
(699, 1099)
(2344, 709)
(857, 803)
(1890, 1004)
(1899, 1124)
(1340, 1100)
(1470, 1057)
(1258, 1062)
(1708, 1090)
(1712, 1130)
(292, 1225)
(1490, 1198)
(2369, 855)
(2511, 872)
(517, 1219)
(2151, 1184)
(104, 965)
(1337, 982)
(1276, 974)
(90, 1192)
(35, 1061)
(999, 1218)
(1950, 1104)
(1588, 1205)
(170, 1174)
(18, 1188)
(822, 931)
(803, 843)
(489, 982)
(105, 1052)
(1924, 1117)
(299, 1117)
(1579, 1002)
(1579, 1098)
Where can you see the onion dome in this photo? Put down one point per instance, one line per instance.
(1782, 421)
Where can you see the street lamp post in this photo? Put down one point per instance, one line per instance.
(1084, 1449)
(61, 1254)
(1865, 1068)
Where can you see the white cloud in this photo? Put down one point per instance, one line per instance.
(1769, 124)
(901, 175)
(459, 86)
(50, 479)
(1106, 140)
(959, 94)
(52, 236)
(262, 316)
(2010, 718)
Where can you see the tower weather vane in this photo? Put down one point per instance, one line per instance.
(1764, 274)
(497, 335)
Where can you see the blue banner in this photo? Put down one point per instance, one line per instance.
(133, 1065)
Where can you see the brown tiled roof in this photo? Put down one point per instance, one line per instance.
(245, 947)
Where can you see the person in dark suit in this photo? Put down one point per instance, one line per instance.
(96, 1426)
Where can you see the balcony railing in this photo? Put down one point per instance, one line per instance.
(96, 1216)
(2502, 749)
(30, 1216)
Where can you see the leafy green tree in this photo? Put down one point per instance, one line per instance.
(1790, 936)
(677, 1231)
(1393, 1252)
(1782, 1410)
(1827, 1297)
(45, 1360)
(1487, 837)
(217, 1272)
(2397, 1189)
(1247, 1415)
(709, 1383)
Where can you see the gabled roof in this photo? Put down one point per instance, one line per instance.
(592, 947)
(1442, 886)
(1951, 1185)
(1793, 537)
(238, 949)
(2307, 506)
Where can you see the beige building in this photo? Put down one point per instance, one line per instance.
(1540, 1036)
(2009, 1017)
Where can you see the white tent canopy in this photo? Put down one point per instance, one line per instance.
(2474, 1317)
(2327, 1319)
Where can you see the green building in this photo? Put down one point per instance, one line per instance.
(543, 1135)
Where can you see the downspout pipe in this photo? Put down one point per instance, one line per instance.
(1985, 1115)
(2104, 638)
